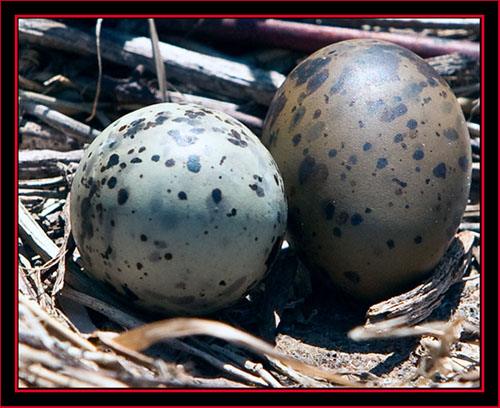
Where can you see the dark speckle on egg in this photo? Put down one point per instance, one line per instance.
(398, 138)
(316, 81)
(412, 124)
(236, 139)
(310, 170)
(122, 196)
(193, 163)
(451, 134)
(297, 117)
(401, 183)
(296, 139)
(306, 168)
(418, 154)
(356, 219)
(392, 113)
(113, 160)
(463, 163)
(440, 171)
(315, 131)
(232, 213)
(258, 190)
(381, 163)
(307, 69)
(216, 195)
(329, 211)
(276, 108)
(112, 182)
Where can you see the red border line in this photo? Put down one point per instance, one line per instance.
(405, 390)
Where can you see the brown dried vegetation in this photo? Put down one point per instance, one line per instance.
(73, 333)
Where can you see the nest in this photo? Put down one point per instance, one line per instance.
(73, 333)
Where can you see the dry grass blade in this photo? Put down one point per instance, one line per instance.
(396, 327)
(99, 63)
(54, 325)
(438, 339)
(61, 268)
(160, 67)
(128, 321)
(144, 336)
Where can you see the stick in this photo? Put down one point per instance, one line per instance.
(160, 68)
(217, 75)
(65, 107)
(63, 123)
(129, 321)
(35, 135)
(420, 23)
(45, 163)
(311, 37)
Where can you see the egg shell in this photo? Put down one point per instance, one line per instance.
(376, 158)
(178, 208)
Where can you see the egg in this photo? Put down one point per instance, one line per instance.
(376, 159)
(178, 208)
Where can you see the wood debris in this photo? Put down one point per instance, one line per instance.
(73, 333)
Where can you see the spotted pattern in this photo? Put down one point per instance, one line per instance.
(451, 134)
(307, 70)
(418, 154)
(216, 195)
(393, 138)
(193, 163)
(134, 210)
(296, 139)
(382, 163)
(440, 171)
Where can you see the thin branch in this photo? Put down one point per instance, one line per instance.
(160, 66)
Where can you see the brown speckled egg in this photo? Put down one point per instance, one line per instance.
(178, 208)
(376, 158)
